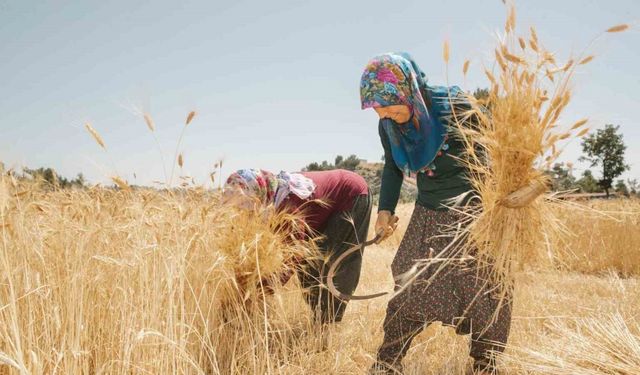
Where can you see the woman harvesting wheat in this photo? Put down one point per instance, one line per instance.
(418, 134)
(333, 204)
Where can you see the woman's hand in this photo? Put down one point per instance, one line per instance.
(386, 224)
(525, 195)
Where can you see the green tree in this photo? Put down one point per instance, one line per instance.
(621, 188)
(605, 149)
(481, 94)
(312, 167)
(53, 180)
(588, 184)
(79, 181)
(326, 166)
(350, 163)
(315, 166)
(634, 188)
(562, 178)
(47, 175)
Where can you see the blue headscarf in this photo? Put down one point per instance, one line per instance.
(396, 79)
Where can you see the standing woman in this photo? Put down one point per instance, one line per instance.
(418, 139)
(335, 205)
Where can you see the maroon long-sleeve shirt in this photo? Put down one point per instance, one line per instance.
(336, 188)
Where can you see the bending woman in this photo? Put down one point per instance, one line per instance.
(418, 139)
(334, 204)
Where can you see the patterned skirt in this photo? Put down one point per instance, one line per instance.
(449, 289)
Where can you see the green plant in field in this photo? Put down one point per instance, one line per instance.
(605, 149)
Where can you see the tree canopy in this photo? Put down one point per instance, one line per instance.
(605, 149)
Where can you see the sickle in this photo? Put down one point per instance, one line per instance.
(336, 263)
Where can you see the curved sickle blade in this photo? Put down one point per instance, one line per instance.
(336, 264)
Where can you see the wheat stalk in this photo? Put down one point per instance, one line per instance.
(618, 28)
(121, 183)
(586, 60)
(149, 121)
(95, 135)
(465, 67)
(190, 117)
(445, 51)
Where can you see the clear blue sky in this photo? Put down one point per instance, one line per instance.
(275, 83)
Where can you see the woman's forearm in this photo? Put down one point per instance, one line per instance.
(391, 179)
(390, 189)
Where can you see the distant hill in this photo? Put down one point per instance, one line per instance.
(370, 171)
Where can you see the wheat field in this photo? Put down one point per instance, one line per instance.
(101, 281)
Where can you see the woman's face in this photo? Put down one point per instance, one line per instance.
(237, 197)
(398, 113)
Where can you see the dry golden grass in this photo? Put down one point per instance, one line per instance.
(604, 236)
(561, 318)
(596, 345)
(101, 281)
(105, 281)
(117, 282)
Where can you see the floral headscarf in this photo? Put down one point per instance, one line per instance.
(259, 183)
(395, 79)
(270, 188)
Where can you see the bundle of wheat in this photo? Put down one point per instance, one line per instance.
(510, 145)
